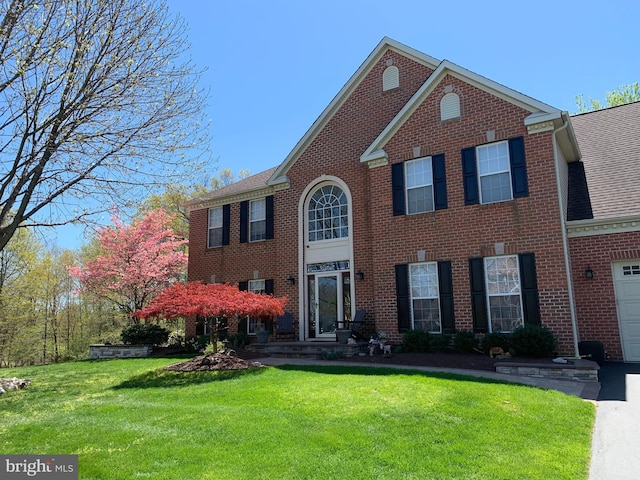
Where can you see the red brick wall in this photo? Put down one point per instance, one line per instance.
(460, 232)
(595, 298)
(530, 224)
(336, 151)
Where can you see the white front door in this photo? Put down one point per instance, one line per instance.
(328, 304)
(627, 287)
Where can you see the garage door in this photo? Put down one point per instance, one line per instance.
(627, 286)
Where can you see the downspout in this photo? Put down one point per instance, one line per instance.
(565, 242)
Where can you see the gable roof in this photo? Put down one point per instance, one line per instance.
(610, 146)
(540, 112)
(274, 179)
(386, 43)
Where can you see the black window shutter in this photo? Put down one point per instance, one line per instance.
(470, 176)
(529, 283)
(269, 220)
(402, 298)
(439, 182)
(397, 183)
(518, 167)
(243, 286)
(478, 299)
(226, 223)
(445, 283)
(244, 221)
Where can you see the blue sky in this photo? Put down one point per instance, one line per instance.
(273, 66)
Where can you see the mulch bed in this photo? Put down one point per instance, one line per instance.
(213, 362)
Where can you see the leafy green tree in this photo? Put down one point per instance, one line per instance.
(97, 100)
(627, 93)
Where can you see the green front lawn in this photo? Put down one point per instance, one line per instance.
(130, 419)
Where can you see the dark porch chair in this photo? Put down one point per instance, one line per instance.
(357, 325)
(285, 326)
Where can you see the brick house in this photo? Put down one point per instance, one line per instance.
(432, 198)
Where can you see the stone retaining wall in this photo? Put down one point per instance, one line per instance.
(119, 351)
(578, 370)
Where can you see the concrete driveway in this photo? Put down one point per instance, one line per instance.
(615, 452)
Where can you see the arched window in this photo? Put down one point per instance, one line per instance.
(328, 214)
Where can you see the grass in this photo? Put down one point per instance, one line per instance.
(130, 419)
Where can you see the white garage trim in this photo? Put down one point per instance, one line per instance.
(626, 280)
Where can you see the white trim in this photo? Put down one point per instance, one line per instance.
(540, 111)
(592, 227)
(302, 273)
(236, 197)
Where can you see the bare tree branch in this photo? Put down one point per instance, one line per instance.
(97, 105)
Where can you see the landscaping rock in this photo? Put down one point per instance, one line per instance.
(13, 384)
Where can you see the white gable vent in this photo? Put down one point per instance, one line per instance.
(449, 106)
(390, 78)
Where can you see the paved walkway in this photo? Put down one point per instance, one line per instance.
(579, 389)
(615, 451)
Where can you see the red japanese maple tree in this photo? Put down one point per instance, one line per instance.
(213, 303)
(136, 262)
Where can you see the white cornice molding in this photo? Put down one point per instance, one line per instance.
(377, 158)
(588, 228)
(540, 127)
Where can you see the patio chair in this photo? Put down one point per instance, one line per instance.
(285, 326)
(357, 326)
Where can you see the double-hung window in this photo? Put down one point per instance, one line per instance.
(256, 324)
(214, 238)
(494, 172)
(425, 297)
(504, 293)
(419, 183)
(257, 220)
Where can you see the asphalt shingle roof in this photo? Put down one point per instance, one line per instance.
(609, 140)
(254, 182)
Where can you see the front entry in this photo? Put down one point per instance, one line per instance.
(327, 258)
(328, 308)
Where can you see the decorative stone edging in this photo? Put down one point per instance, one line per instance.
(577, 370)
(13, 384)
(119, 351)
